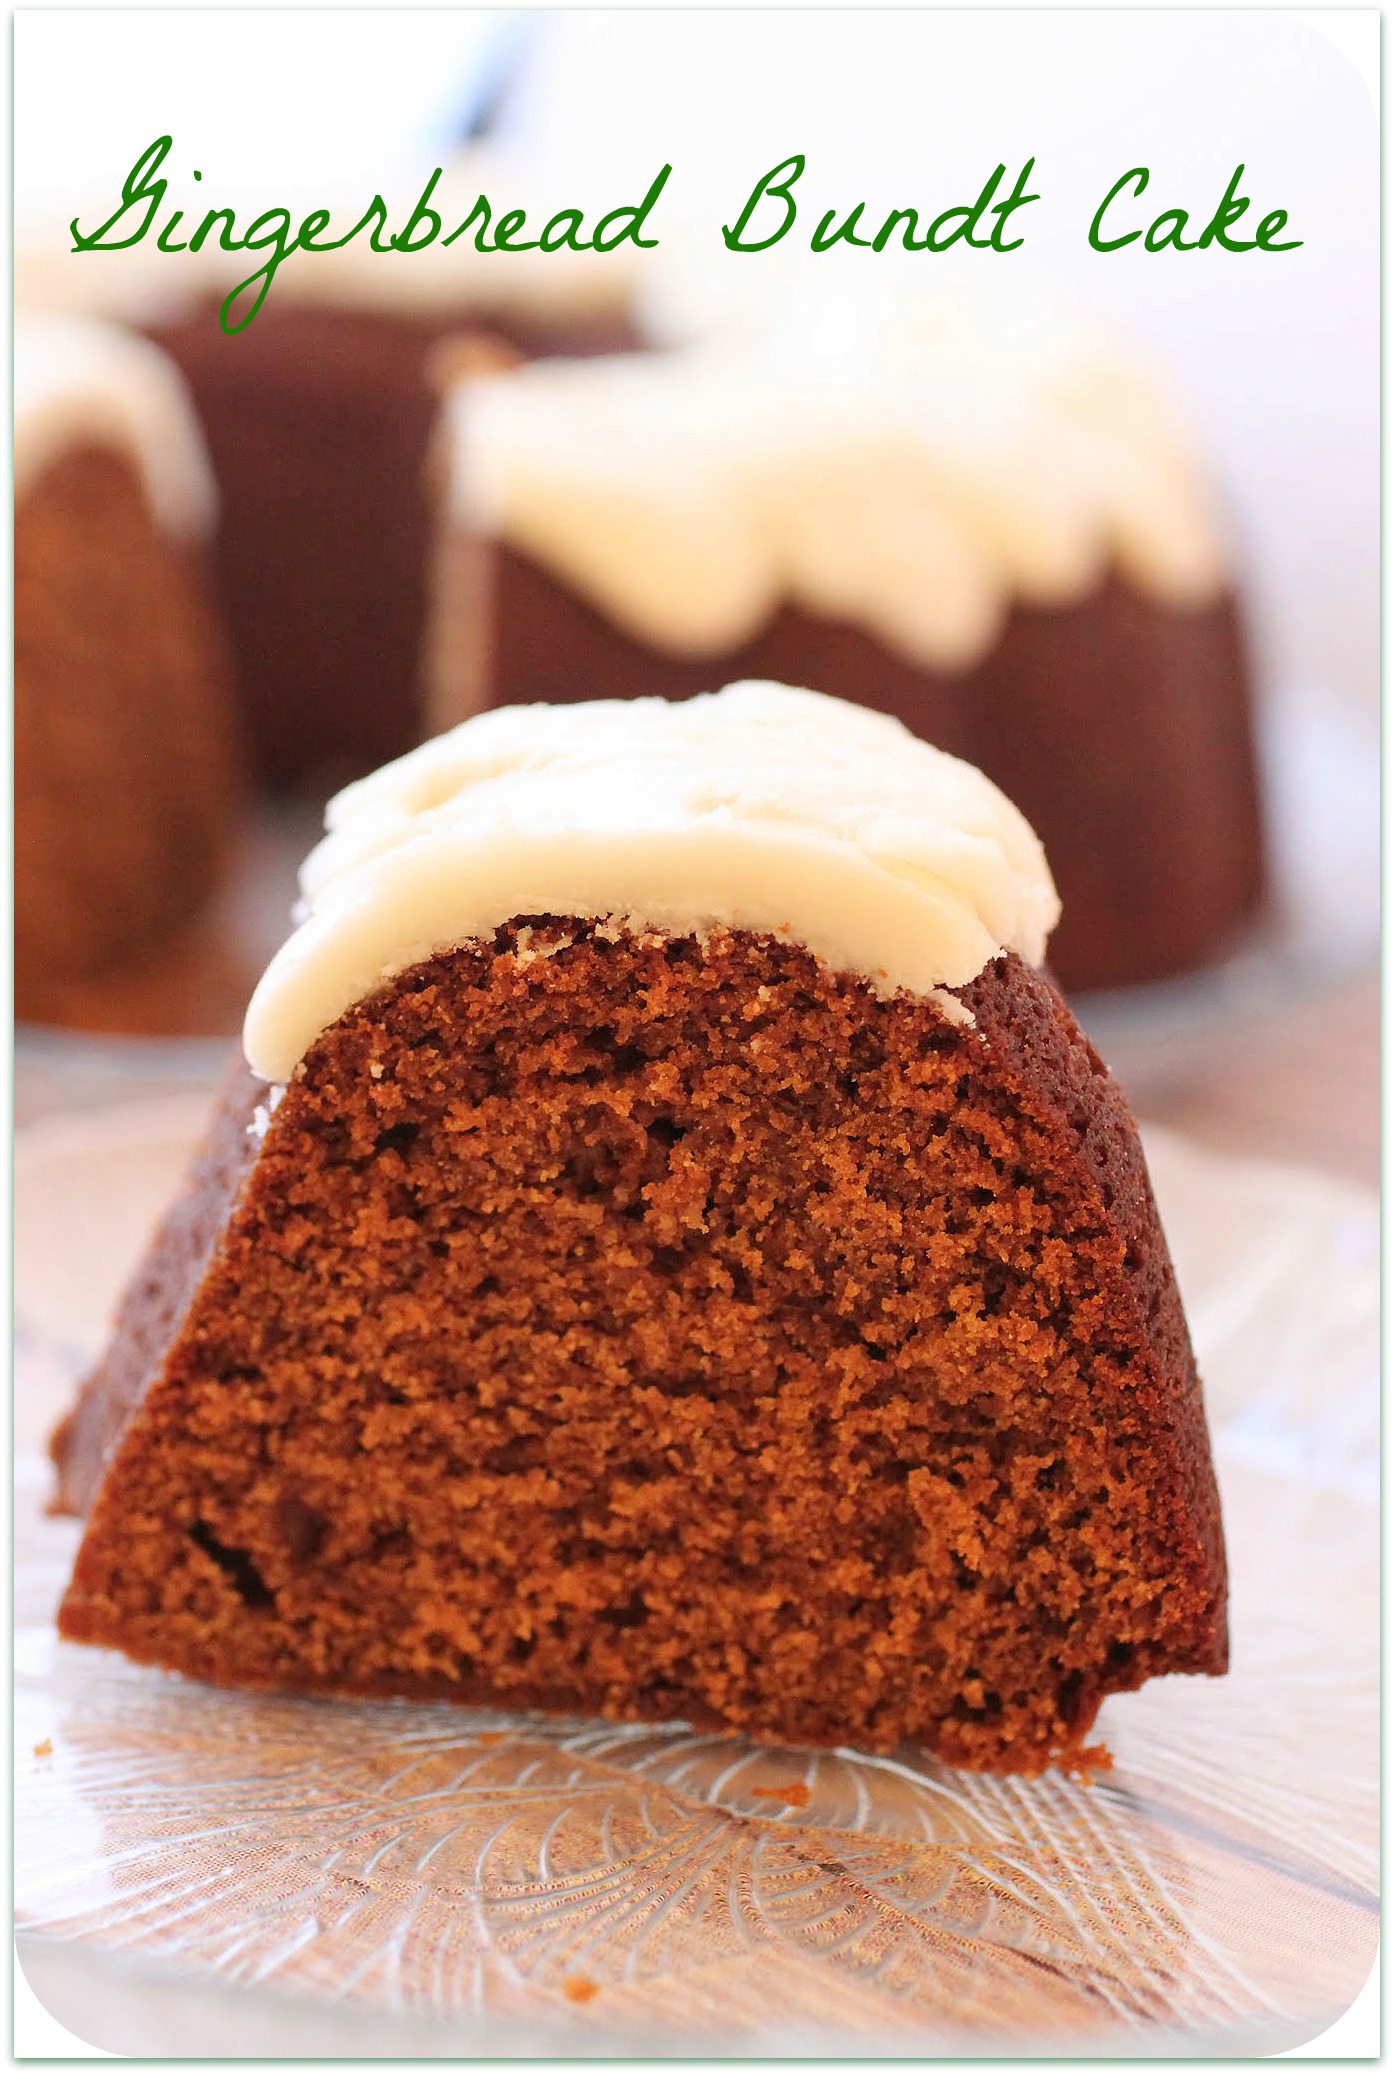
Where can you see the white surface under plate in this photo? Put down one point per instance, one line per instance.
(290, 1876)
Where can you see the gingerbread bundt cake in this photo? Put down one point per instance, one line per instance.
(980, 516)
(126, 766)
(670, 1253)
(977, 513)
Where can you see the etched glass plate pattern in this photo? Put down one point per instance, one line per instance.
(399, 1879)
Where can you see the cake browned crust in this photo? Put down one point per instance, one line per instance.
(666, 1328)
(1121, 727)
(126, 769)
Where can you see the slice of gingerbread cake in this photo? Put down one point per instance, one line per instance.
(982, 517)
(126, 763)
(669, 1253)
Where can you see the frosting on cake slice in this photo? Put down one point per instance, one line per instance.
(761, 808)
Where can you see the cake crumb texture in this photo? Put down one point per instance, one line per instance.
(666, 1328)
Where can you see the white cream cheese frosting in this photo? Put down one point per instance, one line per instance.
(81, 383)
(760, 807)
(914, 466)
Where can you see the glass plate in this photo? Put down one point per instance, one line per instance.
(324, 1878)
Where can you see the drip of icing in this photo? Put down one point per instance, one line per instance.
(760, 808)
(80, 383)
(912, 466)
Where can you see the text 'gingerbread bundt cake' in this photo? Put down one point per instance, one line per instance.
(671, 1254)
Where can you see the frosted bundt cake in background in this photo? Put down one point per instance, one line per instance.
(126, 772)
(976, 515)
(670, 1254)
(974, 512)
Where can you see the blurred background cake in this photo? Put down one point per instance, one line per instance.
(126, 755)
(974, 513)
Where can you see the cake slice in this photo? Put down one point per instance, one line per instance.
(126, 763)
(670, 1254)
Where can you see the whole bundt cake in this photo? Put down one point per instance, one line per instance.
(977, 514)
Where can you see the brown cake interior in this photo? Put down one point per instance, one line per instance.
(666, 1330)
(126, 766)
(1121, 728)
(318, 423)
